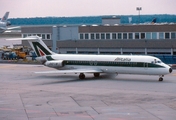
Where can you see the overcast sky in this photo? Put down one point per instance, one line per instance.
(67, 8)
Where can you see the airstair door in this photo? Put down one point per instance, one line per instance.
(145, 65)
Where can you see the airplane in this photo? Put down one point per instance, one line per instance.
(96, 64)
(4, 23)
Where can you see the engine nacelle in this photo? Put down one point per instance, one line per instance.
(41, 59)
(8, 23)
(55, 64)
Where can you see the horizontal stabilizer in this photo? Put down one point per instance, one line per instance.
(14, 28)
(27, 38)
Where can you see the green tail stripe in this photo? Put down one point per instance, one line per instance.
(49, 58)
(35, 44)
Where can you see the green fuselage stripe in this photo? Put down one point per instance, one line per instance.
(112, 64)
(108, 63)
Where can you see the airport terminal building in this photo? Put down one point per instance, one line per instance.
(109, 38)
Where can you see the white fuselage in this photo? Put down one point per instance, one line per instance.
(122, 64)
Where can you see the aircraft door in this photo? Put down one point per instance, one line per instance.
(145, 65)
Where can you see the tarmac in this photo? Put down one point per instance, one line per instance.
(25, 95)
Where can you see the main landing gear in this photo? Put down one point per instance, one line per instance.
(161, 78)
(96, 74)
(82, 75)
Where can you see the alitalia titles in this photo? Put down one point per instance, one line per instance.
(123, 59)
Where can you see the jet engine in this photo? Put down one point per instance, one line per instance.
(41, 59)
(8, 23)
(54, 64)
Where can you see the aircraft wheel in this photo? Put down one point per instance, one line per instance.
(81, 76)
(96, 74)
(160, 79)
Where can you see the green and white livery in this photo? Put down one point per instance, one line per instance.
(96, 64)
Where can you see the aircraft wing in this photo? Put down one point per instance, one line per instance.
(13, 29)
(71, 71)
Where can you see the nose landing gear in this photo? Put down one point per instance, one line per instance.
(161, 78)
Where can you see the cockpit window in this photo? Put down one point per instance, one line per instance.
(156, 61)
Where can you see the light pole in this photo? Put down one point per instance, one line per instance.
(139, 9)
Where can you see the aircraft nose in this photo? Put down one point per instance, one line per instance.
(170, 70)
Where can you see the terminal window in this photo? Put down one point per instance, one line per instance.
(167, 35)
(114, 36)
(97, 36)
(107, 35)
(173, 35)
(161, 35)
(130, 35)
(39, 35)
(92, 36)
(142, 35)
(48, 36)
(24, 35)
(119, 36)
(124, 35)
(102, 36)
(43, 36)
(81, 36)
(86, 36)
(136, 35)
(154, 35)
(148, 35)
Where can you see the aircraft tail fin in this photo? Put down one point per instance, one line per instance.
(37, 45)
(5, 17)
(153, 21)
